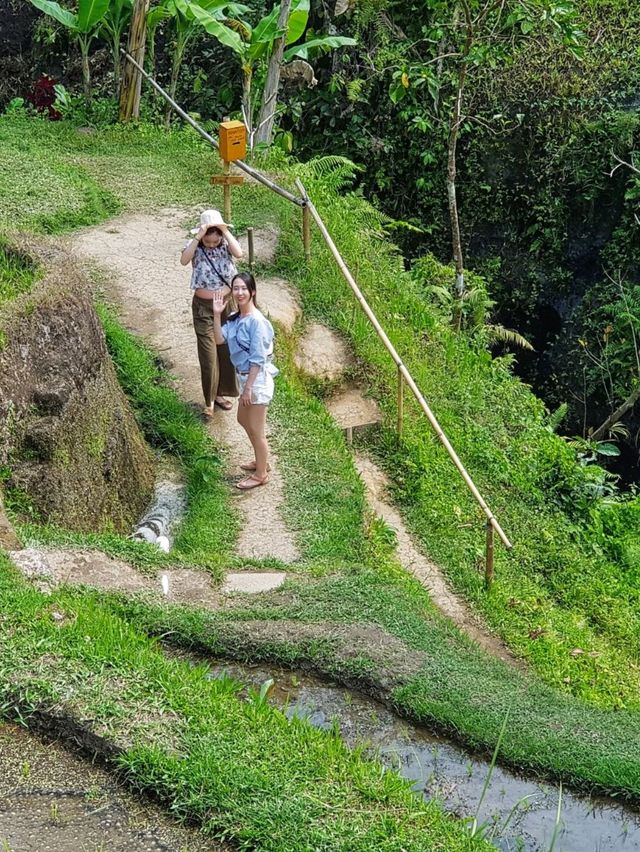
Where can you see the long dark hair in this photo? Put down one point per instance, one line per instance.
(250, 281)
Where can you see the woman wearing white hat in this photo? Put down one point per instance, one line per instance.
(211, 254)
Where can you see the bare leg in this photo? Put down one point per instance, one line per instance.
(253, 419)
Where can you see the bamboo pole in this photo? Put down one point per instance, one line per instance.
(400, 403)
(402, 370)
(488, 564)
(306, 232)
(250, 248)
(256, 175)
(226, 192)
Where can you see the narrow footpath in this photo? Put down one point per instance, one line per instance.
(138, 256)
(144, 278)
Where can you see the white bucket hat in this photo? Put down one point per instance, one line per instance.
(210, 219)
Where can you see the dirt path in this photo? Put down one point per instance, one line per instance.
(141, 254)
(323, 354)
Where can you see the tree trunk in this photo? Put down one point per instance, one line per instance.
(132, 79)
(618, 414)
(456, 239)
(86, 73)
(246, 103)
(454, 128)
(117, 65)
(264, 133)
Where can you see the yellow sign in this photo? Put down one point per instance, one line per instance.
(232, 136)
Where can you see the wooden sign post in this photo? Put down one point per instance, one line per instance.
(232, 138)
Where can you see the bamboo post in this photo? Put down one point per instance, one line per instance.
(226, 191)
(400, 403)
(306, 232)
(488, 566)
(250, 247)
(415, 390)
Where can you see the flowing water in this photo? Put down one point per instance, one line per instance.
(516, 813)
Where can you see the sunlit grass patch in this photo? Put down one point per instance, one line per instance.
(239, 768)
(17, 273)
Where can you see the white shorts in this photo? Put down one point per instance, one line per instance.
(262, 388)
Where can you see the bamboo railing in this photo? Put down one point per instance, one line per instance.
(404, 376)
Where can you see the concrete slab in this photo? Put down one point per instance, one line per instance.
(251, 582)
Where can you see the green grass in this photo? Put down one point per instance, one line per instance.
(237, 767)
(562, 591)
(51, 195)
(324, 499)
(17, 274)
(458, 689)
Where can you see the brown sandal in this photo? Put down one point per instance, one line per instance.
(223, 403)
(252, 482)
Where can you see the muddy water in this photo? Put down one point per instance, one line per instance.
(517, 813)
(53, 800)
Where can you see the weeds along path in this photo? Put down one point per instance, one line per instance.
(141, 254)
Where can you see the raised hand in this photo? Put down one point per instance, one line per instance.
(218, 302)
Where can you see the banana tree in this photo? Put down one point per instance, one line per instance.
(298, 53)
(188, 19)
(113, 26)
(83, 24)
(255, 47)
(155, 17)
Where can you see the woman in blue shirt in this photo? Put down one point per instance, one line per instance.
(249, 336)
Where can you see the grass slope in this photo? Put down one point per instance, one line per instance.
(237, 767)
(567, 598)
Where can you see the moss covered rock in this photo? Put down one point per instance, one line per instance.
(73, 452)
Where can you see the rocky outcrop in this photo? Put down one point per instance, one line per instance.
(68, 439)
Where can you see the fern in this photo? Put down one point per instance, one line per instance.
(334, 172)
(507, 335)
(555, 418)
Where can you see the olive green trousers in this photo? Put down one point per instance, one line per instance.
(216, 370)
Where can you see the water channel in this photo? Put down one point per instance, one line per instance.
(517, 813)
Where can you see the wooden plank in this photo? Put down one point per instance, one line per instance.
(227, 179)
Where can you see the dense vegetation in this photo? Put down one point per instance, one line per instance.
(544, 219)
(547, 209)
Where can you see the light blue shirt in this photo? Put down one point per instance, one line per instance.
(250, 340)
